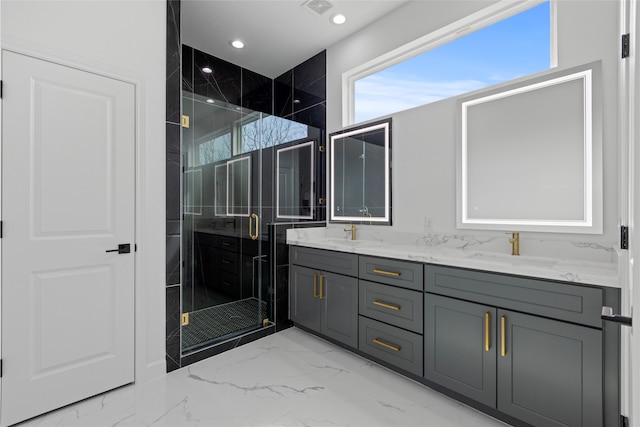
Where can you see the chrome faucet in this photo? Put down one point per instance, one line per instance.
(515, 243)
(352, 229)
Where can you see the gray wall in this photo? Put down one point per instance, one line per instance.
(424, 139)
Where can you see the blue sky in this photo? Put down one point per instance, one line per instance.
(519, 46)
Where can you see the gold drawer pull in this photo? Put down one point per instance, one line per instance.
(385, 345)
(503, 350)
(486, 331)
(386, 273)
(322, 295)
(315, 285)
(385, 305)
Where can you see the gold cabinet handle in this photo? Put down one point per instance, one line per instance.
(503, 351)
(385, 305)
(321, 283)
(386, 273)
(486, 331)
(315, 285)
(385, 345)
(251, 219)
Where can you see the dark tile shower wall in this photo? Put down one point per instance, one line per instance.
(173, 175)
(299, 94)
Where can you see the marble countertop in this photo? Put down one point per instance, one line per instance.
(435, 249)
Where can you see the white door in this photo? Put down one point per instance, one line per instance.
(68, 158)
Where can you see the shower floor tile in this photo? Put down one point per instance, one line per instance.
(222, 320)
(286, 379)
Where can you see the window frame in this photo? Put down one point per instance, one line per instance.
(497, 12)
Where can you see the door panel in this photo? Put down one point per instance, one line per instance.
(58, 109)
(340, 307)
(68, 197)
(551, 372)
(303, 295)
(456, 352)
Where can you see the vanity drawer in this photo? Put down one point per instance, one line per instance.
(396, 306)
(227, 261)
(390, 344)
(392, 272)
(557, 300)
(229, 243)
(319, 259)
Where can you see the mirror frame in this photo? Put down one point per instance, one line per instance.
(195, 180)
(311, 144)
(229, 179)
(384, 124)
(592, 209)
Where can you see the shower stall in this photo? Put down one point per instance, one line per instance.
(243, 172)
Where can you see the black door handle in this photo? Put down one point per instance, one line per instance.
(607, 314)
(124, 248)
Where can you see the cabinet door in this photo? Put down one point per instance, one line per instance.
(551, 371)
(304, 302)
(339, 295)
(459, 349)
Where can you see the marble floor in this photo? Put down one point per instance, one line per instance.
(288, 379)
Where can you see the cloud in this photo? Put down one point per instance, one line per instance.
(381, 95)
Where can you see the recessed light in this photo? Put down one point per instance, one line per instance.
(210, 101)
(338, 19)
(207, 70)
(238, 44)
(296, 101)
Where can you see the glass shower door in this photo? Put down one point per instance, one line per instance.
(223, 293)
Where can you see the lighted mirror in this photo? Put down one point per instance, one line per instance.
(238, 189)
(360, 174)
(220, 189)
(193, 192)
(531, 155)
(294, 181)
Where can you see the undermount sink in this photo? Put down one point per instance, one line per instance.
(521, 261)
(350, 242)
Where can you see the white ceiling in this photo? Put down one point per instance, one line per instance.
(279, 34)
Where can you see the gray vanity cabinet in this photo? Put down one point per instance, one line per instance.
(550, 373)
(460, 347)
(321, 300)
(544, 372)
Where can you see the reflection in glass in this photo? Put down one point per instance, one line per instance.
(193, 192)
(238, 191)
(360, 187)
(295, 193)
(220, 188)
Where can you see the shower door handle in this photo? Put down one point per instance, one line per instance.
(251, 228)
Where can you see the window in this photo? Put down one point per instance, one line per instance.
(269, 132)
(512, 47)
(216, 149)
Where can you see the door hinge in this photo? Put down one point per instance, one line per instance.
(1, 370)
(1, 229)
(625, 45)
(624, 421)
(184, 319)
(1, 89)
(321, 148)
(135, 247)
(624, 237)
